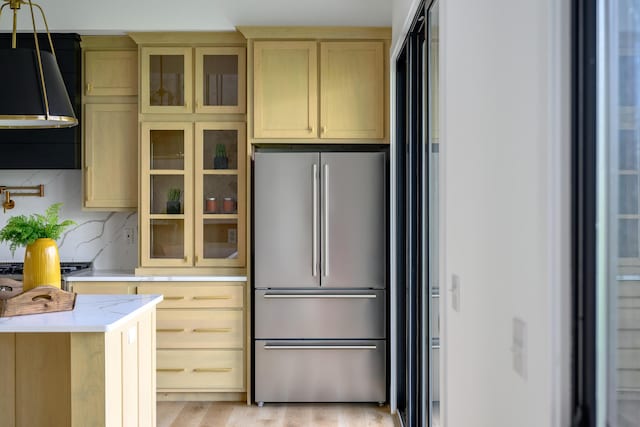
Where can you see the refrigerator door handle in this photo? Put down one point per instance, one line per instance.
(319, 347)
(319, 295)
(325, 255)
(314, 243)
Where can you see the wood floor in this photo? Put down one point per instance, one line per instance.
(238, 414)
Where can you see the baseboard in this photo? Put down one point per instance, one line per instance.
(201, 397)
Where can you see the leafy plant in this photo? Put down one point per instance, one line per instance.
(221, 150)
(174, 194)
(21, 230)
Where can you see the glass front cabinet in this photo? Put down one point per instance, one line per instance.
(170, 84)
(192, 194)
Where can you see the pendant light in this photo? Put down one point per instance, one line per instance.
(33, 93)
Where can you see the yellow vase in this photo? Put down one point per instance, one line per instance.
(41, 264)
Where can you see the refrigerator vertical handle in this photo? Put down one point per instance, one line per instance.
(325, 255)
(314, 243)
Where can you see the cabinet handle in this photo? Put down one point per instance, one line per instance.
(173, 298)
(88, 183)
(170, 330)
(338, 296)
(185, 259)
(212, 297)
(196, 258)
(212, 330)
(170, 370)
(323, 129)
(212, 370)
(89, 87)
(319, 347)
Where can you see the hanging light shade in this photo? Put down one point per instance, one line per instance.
(33, 93)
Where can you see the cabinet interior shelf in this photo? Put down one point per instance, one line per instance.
(220, 172)
(167, 171)
(206, 215)
(166, 216)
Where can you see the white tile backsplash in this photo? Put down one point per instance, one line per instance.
(98, 236)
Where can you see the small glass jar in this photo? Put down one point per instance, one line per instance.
(211, 205)
(228, 205)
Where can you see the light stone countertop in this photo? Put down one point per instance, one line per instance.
(125, 276)
(92, 313)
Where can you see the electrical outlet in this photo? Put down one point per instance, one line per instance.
(455, 292)
(129, 233)
(519, 347)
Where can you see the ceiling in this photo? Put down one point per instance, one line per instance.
(120, 16)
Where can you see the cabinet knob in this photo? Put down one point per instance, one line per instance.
(89, 87)
(324, 129)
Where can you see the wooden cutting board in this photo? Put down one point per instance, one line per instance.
(43, 299)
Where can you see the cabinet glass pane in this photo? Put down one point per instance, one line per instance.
(167, 238)
(220, 76)
(220, 149)
(225, 190)
(166, 80)
(167, 149)
(628, 201)
(220, 238)
(628, 151)
(167, 194)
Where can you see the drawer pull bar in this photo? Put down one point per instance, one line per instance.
(170, 370)
(168, 298)
(212, 330)
(320, 347)
(212, 297)
(212, 370)
(170, 330)
(338, 296)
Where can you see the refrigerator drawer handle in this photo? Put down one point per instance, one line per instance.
(337, 296)
(320, 347)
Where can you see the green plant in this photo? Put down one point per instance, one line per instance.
(221, 150)
(21, 230)
(174, 194)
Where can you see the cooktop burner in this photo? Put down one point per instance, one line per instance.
(15, 268)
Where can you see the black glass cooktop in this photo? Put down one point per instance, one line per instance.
(15, 268)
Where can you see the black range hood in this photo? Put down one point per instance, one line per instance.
(56, 148)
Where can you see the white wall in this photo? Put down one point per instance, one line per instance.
(505, 164)
(98, 236)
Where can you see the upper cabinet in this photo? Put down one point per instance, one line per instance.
(168, 84)
(110, 123)
(332, 88)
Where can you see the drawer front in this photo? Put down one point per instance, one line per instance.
(203, 370)
(320, 314)
(178, 295)
(200, 328)
(320, 371)
(103, 288)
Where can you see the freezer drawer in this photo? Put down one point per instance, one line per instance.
(320, 314)
(320, 371)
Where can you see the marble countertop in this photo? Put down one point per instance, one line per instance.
(92, 313)
(125, 276)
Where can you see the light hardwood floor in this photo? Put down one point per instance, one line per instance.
(238, 414)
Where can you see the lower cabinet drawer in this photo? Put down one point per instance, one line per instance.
(203, 370)
(320, 371)
(200, 329)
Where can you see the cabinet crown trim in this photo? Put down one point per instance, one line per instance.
(107, 43)
(316, 33)
(194, 38)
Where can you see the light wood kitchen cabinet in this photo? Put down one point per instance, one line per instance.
(111, 73)
(168, 85)
(101, 288)
(200, 336)
(285, 89)
(110, 156)
(346, 100)
(110, 123)
(173, 160)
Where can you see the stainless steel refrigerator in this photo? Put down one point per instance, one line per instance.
(320, 277)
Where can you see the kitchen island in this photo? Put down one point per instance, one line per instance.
(92, 366)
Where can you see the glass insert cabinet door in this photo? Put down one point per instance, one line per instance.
(166, 194)
(167, 84)
(220, 194)
(220, 86)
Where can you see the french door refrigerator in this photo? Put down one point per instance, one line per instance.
(320, 245)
